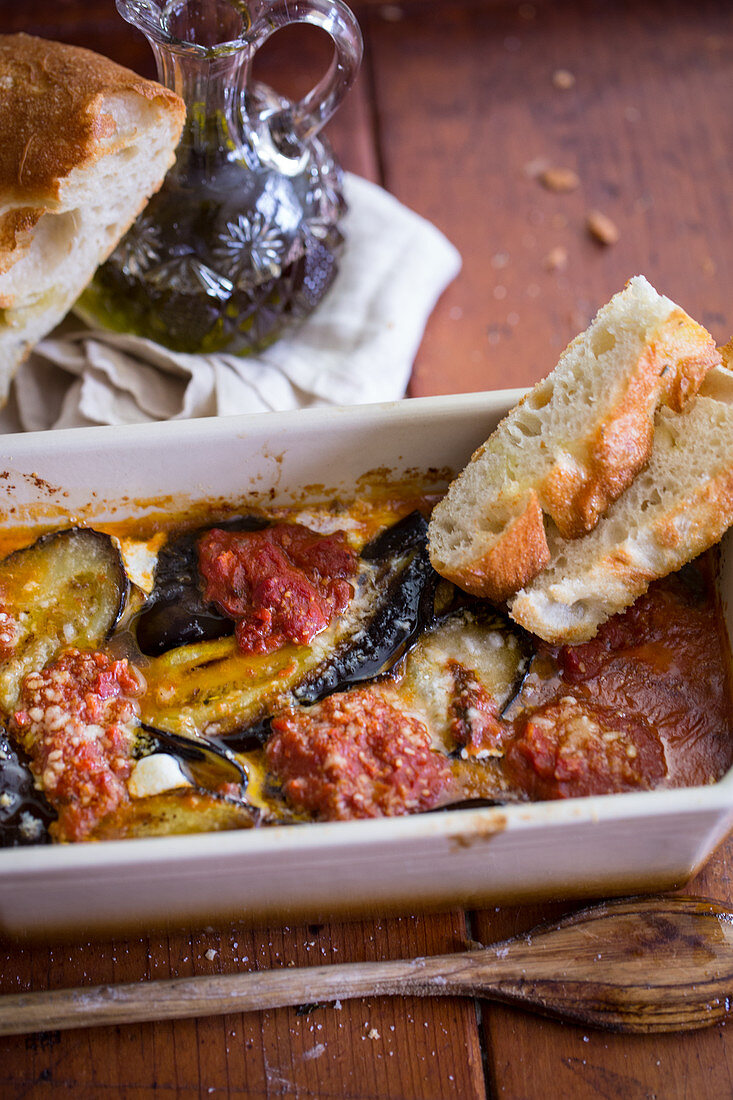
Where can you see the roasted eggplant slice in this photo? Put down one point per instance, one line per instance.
(471, 657)
(66, 589)
(211, 766)
(405, 584)
(176, 613)
(174, 813)
(193, 786)
(212, 689)
(24, 813)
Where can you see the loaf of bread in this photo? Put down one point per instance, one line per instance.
(572, 445)
(679, 505)
(84, 144)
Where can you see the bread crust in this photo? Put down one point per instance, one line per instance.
(577, 468)
(576, 496)
(53, 121)
(678, 507)
(521, 552)
(694, 526)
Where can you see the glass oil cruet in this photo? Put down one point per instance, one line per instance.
(243, 238)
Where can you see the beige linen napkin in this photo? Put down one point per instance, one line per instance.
(358, 345)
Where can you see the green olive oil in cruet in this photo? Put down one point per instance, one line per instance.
(243, 238)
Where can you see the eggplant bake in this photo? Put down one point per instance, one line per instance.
(310, 665)
(549, 628)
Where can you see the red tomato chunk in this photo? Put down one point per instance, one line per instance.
(282, 584)
(76, 720)
(573, 747)
(354, 755)
(473, 715)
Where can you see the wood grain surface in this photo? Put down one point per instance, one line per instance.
(459, 110)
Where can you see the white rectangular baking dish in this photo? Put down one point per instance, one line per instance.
(583, 847)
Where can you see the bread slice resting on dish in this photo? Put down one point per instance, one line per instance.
(613, 471)
(85, 143)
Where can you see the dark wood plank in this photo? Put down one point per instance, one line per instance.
(526, 1052)
(646, 126)
(426, 1050)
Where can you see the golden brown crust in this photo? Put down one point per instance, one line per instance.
(519, 555)
(726, 352)
(576, 495)
(698, 523)
(52, 121)
(50, 97)
(16, 234)
(685, 352)
(693, 526)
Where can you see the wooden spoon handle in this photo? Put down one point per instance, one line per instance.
(641, 965)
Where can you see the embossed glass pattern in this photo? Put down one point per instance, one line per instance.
(243, 238)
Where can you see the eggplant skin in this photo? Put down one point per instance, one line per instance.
(176, 613)
(404, 606)
(408, 533)
(211, 764)
(25, 815)
(68, 588)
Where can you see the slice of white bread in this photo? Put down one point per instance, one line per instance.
(679, 505)
(84, 144)
(572, 445)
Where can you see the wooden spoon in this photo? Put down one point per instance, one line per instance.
(637, 965)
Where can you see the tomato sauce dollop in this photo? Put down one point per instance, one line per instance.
(645, 703)
(76, 720)
(573, 747)
(355, 755)
(282, 584)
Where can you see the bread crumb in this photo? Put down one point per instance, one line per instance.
(30, 827)
(373, 1033)
(602, 228)
(559, 179)
(563, 79)
(557, 258)
(210, 954)
(314, 1052)
(536, 167)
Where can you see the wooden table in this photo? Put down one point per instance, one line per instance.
(457, 109)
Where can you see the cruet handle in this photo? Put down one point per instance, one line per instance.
(304, 119)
